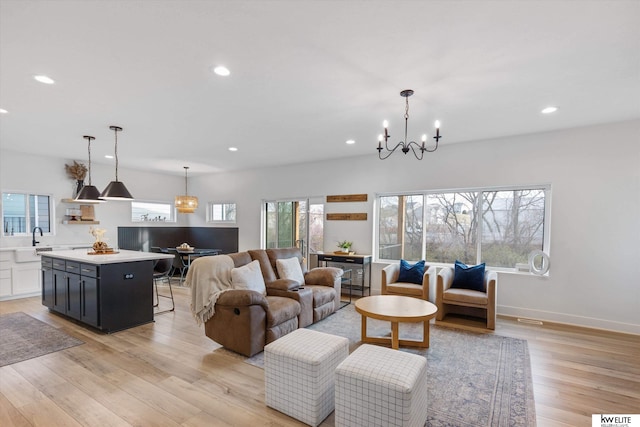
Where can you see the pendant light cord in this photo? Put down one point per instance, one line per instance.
(89, 138)
(116, 152)
(116, 129)
(406, 120)
(186, 192)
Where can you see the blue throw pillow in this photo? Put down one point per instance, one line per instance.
(468, 277)
(411, 273)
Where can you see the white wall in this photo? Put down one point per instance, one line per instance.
(46, 175)
(595, 211)
(595, 220)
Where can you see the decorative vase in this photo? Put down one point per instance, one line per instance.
(79, 185)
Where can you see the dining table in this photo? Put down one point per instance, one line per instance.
(191, 254)
(188, 255)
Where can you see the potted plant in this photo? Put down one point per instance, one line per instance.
(345, 246)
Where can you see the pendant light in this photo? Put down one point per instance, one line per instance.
(89, 193)
(186, 203)
(116, 189)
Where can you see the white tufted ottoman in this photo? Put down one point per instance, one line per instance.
(299, 374)
(377, 386)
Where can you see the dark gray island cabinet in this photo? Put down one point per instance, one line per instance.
(109, 292)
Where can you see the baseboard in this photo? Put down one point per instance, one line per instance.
(567, 319)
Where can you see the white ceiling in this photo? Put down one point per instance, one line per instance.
(305, 75)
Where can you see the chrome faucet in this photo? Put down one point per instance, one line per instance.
(33, 232)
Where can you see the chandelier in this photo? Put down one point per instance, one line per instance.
(405, 146)
(186, 203)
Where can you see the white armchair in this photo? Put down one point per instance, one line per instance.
(467, 301)
(391, 286)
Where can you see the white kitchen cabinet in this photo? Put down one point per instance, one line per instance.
(5, 273)
(19, 279)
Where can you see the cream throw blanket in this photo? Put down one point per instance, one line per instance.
(208, 277)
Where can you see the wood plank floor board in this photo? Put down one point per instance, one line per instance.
(10, 415)
(168, 373)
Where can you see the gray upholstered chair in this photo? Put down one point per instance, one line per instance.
(467, 301)
(391, 286)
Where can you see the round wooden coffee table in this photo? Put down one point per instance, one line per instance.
(395, 309)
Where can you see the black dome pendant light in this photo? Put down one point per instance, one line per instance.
(89, 193)
(116, 190)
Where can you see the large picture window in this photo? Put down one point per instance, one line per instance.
(500, 227)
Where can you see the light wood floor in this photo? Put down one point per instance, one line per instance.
(168, 374)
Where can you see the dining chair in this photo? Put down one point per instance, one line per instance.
(179, 264)
(161, 271)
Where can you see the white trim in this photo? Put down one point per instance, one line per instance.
(567, 319)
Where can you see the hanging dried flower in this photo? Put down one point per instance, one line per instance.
(76, 171)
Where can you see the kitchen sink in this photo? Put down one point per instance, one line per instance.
(31, 254)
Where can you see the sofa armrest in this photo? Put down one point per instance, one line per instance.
(325, 276)
(282, 285)
(304, 296)
(490, 284)
(445, 280)
(429, 283)
(242, 298)
(390, 275)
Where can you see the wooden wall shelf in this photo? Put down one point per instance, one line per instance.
(347, 216)
(77, 202)
(347, 198)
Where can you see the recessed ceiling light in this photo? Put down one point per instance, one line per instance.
(221, 70)
(233, 149)
(3, 111)
(44, 79)
(549, 110)
(108, 156)
(350, 141)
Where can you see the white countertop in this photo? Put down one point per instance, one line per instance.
(121, 256)
(55, 247)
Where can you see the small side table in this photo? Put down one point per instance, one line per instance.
(360, 262)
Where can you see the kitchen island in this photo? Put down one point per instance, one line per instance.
(109, 292)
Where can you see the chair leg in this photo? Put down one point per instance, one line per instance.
(155, 285)
(173, 304)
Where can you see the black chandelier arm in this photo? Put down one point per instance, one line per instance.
(437, 138)
(413, 146)
(390, 151)
(413, 149)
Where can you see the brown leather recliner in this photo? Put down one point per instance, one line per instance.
(245, 321)
(324, 282)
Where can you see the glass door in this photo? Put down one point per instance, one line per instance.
(287, 224)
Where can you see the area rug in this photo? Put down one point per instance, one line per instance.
(475, 379)
(22, 337)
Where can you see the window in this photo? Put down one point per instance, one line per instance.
(221, 212)
(499, 227)
(299, 223)
(21, 212)
(316, 227)
(152, 212)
